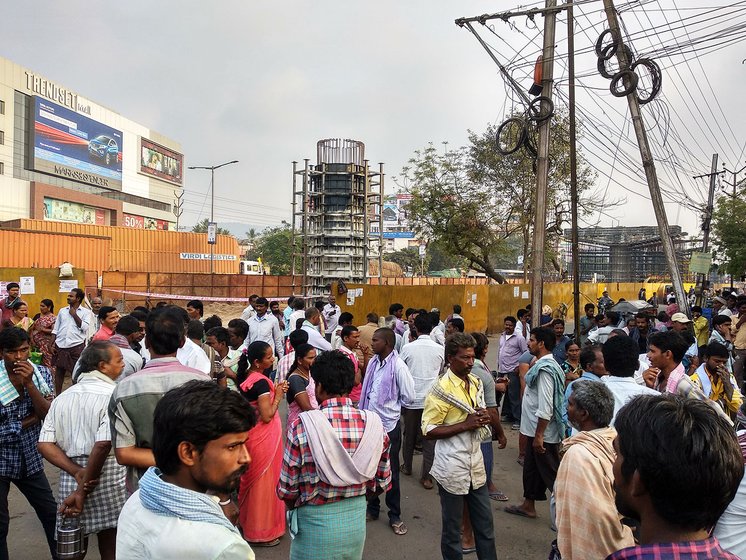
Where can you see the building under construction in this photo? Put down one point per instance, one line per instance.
(627, 254)
(335, 202)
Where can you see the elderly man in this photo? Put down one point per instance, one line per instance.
(76, 438)
(199, 446)
(678, 466)
(333, 457)
(456, 417)
(588, 524)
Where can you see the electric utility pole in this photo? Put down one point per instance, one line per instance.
(542, 168)
(648, 163)
(573, 174)
(707, 220)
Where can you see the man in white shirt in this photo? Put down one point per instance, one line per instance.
(345, 319)
(439, 329)
(621, 361)
(424, 358)
(601, 334)
(522, 327)
(299, 312)
(310, 325)
(96, 304)
(249, 312)
(71, 333)
(200, 431)
(331, 313)
(264, 327)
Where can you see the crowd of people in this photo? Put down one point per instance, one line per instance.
(173, 442)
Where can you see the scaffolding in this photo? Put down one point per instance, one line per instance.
(335, 202)
(627, 254)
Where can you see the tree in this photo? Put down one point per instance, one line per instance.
(474, 202)
(201, 227)
(729, 225)
(408, 259)
(274, 246)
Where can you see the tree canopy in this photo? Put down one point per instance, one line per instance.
(201, 227)
(729, 226)
(478, 205)
(274, 246)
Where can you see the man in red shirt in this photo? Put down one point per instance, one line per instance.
(108, 318)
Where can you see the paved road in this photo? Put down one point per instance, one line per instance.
(517, 538)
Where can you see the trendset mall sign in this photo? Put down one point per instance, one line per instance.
(50, 90)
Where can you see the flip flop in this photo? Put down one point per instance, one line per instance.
(515, 510)
(498, 496)
(399, 528)
(470, 550)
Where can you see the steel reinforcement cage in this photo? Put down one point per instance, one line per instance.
(334, 203)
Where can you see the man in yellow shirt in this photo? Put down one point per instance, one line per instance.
(701, 327)
(716, 381)
(456, 417)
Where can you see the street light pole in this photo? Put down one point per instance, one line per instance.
(212, 169)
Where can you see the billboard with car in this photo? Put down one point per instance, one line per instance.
(159, 161)
(75, 147)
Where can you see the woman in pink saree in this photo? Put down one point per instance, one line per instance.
(261, 512)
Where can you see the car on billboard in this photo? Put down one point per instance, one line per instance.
(104, 147)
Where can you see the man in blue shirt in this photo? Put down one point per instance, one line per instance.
(26, 391)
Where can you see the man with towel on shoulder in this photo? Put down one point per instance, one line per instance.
(334, 457)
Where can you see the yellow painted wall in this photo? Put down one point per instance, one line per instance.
(493, 303)
(47, 285)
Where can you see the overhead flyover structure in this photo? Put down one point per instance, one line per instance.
(337, 217)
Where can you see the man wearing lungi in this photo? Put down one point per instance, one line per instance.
(70, 332)
(76, 437)
(333, 458)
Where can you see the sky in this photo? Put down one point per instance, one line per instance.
(262, 82)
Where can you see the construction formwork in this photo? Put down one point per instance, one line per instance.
(335, 202)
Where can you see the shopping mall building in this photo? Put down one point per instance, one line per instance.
(66, 158)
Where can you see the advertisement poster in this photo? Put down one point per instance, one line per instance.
(140, 222)
(63, 211)
(67, 285)
(73, 146)
(158, 161)
(27, 285)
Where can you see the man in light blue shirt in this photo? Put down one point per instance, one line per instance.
(264, 326)
(388, 385)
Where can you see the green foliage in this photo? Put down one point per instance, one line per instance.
(274, 246)
(474, 202)
(729, 225)
(408, 259)
(201, 227)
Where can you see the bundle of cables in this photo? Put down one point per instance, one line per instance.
(626, 80)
